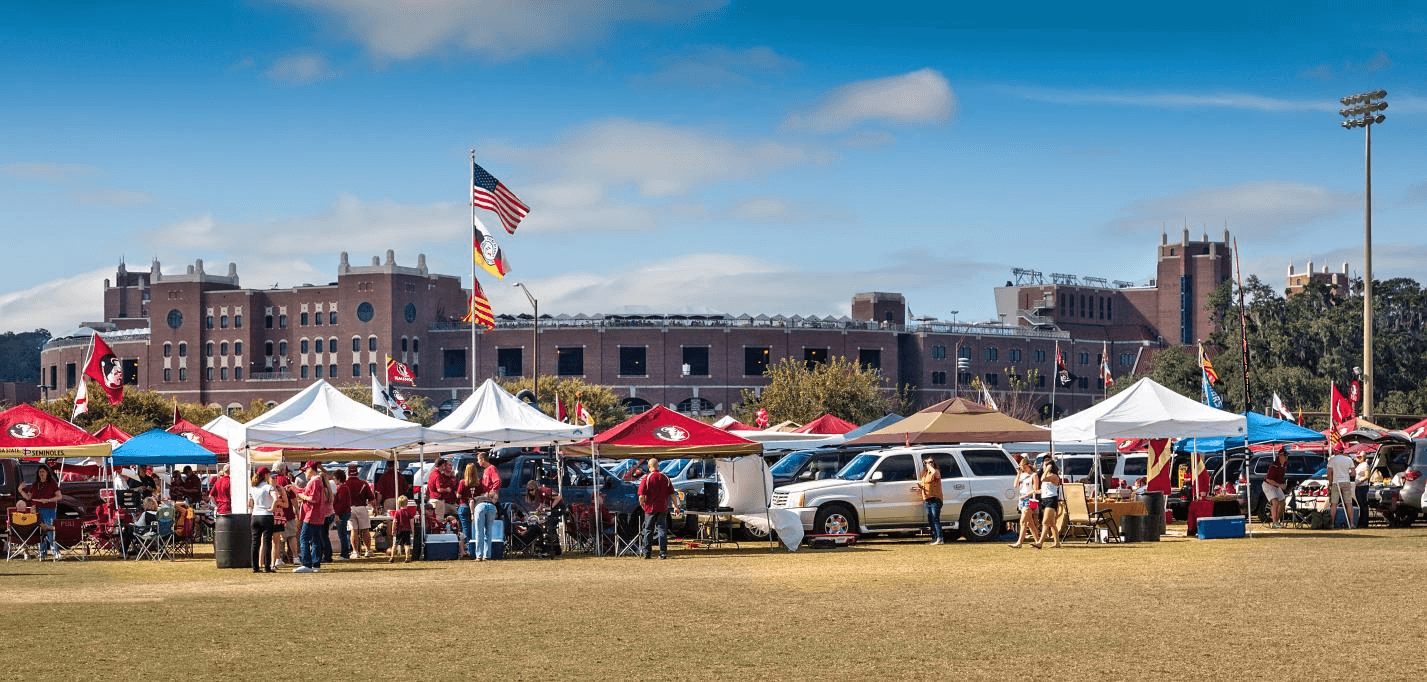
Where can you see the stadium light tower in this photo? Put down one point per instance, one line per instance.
(534, 343)
(1363, 111)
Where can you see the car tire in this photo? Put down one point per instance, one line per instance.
(980, 522)
(834, 519)
(1403, 517)
(750, 534)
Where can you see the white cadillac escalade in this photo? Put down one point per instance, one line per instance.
(877, 493)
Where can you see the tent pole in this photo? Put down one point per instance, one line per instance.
(560, 491)
(421, 499)
(595, 495)
(767, 501)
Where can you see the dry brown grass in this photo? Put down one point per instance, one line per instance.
(1308, 605)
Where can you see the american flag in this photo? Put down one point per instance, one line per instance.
(479, 309)
(492, 195)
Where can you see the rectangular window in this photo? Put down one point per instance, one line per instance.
(69, 375)
(1084, 358)
(870, 358)
(1083, 383)
(509, 362)
(993, 379)
(755, 360)
(332, 371)
(1127, 359)
(453, 363)
(964, 352)
(570, 362)
(1040, 356)
(131, 372)
(696, 358)
(54, 370)
(356, 370)
(631, 361)
(223, 373)
(988, 463)
(1040, 381)
(317, 371)
(814, 356)
(304, 372)
(991, 353)
(168, 374)
(1015, 355)
(238, 373)
(963, 378)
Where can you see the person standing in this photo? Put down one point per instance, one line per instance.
(1362, 477)
(929, 485)
(282, 520)
(315, 501)
(402, 516)
(466, 491)
(342, 513)
(261, 494)
(1050, 503)
(486, 520)
(1275, 481)
(44, 493)
(655, 493)
(1340, 489)
(187, 487)
(221, 492)
(441, 487)
(1026, 485)
(329, 516)
(360, 494)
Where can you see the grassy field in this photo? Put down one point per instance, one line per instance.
(1285, 604)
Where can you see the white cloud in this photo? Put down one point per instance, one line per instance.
(58, 305)
(770, 209)
(1263, 209)
(658, 160)
(301, 69)
(53, 172)
(717, 65)
(922, 96)
(497, 29)
(1173, 100)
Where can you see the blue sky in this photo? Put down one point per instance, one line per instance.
(771, 157)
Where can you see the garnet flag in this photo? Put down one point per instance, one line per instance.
(81, 400)
(1105, 367)
(1342, 408)
(486, 251)
(761, 419)
(492, 195)
(398, 373)
(106, 369)
(1208, 367)
(582, 415)
(478, 308)
(560, 413)
(1159, 469)
(1062, 373)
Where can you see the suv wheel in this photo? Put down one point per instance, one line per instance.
(980, 522)
(1403, 516)
(835, 519)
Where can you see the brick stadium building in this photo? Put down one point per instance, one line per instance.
(204, 339)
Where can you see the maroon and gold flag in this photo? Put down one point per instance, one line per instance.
(398, 373)
(478, 308)
(1160, 469)
(486, 251)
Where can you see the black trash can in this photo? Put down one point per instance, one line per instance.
(1154, 512)
(233, 540)
(1132, 528)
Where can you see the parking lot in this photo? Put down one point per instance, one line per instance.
(1301, 604)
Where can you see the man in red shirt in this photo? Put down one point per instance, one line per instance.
(655, 493)
(386, 489)
(441, 488)
(342, 510)
(221, 491)
(316, 503)
(360, 494)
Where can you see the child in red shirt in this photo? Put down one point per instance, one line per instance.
(401, 519)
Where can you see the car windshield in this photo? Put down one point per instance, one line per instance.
(857, 468)
(672, 467)
(1077, 467)
(790, 463)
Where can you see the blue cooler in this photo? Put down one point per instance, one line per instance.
(442, 547)
(498, 541)
(1214, 527)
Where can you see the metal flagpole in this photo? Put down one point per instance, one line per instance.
(471, 245)
(595, 494)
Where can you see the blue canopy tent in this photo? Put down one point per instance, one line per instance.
(158, 447)
(1261, 429)
(876, 424)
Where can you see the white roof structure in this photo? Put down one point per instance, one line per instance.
(225, 427)
(1148, 410)
(321, 417)
(787, 440)
(492, 416)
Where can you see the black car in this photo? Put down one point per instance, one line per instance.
(1221, 467)
(812, 465)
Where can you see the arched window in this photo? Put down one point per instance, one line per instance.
(238, 373)
(356, 344)
(302, 346)
(168, 374)
(223, 373)
(332, 371)
(223, 349)
(168, 349)
(332, 345)
(636, 405)
(303, 374)
(372, 343)
(415, 345)
(208, 349)
(282, 348)
(182, 349)
(403, 344)
(237, 347)
(695, 406)
(267, 348)
(183, 374)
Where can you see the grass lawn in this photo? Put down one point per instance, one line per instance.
(1284, 604)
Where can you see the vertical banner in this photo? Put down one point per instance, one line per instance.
(1160, 466)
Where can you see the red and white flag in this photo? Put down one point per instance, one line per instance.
(81, 400)
(560, 409)
(398, 373)
(582, 415)
(492, 195)
(105, 368)
(761, 419)
(1282, 409)
(1105, 367)
(1341, 407)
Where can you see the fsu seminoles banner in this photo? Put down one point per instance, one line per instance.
(1160, 468)
(29, 432)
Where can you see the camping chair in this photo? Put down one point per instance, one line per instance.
(106, 538)
(1298, 511)
(629, 535)
(23, 530)
(582, 528)
(69, 537)
(155, 540)
(1079, 515)
(184, 530)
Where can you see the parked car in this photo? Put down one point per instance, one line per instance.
(1129, 467)
(812, 465)
(575, 478)
(876, 493)
(1080, 468)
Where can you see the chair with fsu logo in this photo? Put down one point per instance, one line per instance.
(23, 531)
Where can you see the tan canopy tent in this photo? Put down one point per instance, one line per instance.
(954, 421)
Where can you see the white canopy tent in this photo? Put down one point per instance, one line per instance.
(318, 418)
(223, 426)
(1148, 410)
(492, 416)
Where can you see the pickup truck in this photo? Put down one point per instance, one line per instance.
(80, 499)
(876, 493)
(620, 496)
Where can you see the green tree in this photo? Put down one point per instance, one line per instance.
(1020, 397)
(838, 387)
(20, 355)
(137, 413)
(604, 406)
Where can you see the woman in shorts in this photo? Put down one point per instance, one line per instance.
(1050, 495)
(1026, 484)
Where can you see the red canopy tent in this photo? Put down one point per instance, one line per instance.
(736, 425)
(26, 431)
(113, 434)
(827, 424)
(661, 432)
(1418, 430)
(206, 439)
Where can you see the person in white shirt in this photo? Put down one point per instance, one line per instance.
(261, 495)
(1340, 488)
(1362, 477)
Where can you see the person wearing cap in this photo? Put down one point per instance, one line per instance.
(929, 486)
(1274, 484)
(221, 492)
(360, 494)
(315, 503)
(1340, 489)
(260, 492)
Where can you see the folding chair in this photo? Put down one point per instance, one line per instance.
(104, 534)
(23, 530)
(1079, 516)
(629, 536)
(580, 528)
(184, 531)
(155, 540)
(69, 538)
